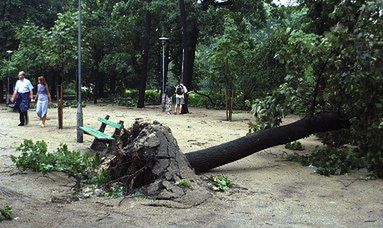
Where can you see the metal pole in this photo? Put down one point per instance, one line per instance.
(163, 74)
(7, 89)
(80, 134)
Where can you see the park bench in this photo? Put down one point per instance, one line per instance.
(104, 141)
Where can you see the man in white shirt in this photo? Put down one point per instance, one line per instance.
(24, 92)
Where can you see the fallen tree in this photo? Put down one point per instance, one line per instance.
(209, 158)
(149, 159)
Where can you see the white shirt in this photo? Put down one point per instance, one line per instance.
(23, 86)
(185, 91)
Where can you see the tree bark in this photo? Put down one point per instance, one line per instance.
(209, 158)
(145, 61)
(96, 77)
(2, 91)
(59, 92)
(226, 107)
(189, 44)
(112, 85)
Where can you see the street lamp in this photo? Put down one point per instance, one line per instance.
(9, 52)
(80, 134)
(163, 40)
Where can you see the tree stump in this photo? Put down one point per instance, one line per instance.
(149, 160)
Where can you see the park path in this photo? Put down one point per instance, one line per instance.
(268, 190)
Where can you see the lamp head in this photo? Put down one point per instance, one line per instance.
(164, 39)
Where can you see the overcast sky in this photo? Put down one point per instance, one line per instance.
(285, 2)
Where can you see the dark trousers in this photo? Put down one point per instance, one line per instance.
(23, 117)
(22, 103)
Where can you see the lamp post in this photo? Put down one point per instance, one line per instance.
(9, 52)
(163, 40)
(80, 134)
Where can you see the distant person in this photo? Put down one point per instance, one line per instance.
(180, 97)
(169, 92)
(43, 98)
(24, 92)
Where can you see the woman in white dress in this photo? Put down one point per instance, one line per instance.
(43, 98)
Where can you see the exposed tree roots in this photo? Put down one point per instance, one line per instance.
(149, 161)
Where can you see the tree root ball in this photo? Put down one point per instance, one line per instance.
(149, 160)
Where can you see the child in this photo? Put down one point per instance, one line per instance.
(43, 98)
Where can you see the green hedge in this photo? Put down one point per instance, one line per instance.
(152, 97)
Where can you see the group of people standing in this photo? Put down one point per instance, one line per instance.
(167, 100)
(23, 96)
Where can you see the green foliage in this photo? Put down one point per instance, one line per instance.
(331, 161)
(35, 157)
(296, 145)
(183, 183)
(99, 178)
(220, 183)
(218, 97)
(152, 97)
(72, 104)
(115, 192)
(269, 111)
(6, 213)
(333, 63)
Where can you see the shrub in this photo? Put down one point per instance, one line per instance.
(220, 183)
(330, 160)
(35, 157)
(294, 146)
(6, 213)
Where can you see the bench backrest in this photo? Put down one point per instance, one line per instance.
(110, 123)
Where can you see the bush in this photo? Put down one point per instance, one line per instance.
(35, 157)
(294, 146)
(6, 213)
(218, 97)
(220, 183)
(330, 160)
(130, 98)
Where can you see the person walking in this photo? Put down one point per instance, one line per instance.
(24, 92)
(43, 98)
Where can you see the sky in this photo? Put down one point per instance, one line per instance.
(285, 2)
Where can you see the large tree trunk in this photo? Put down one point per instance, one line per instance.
(145, 61)
(101, 86)
(2, 91)
(112, 85)
(189, 44)
(216, 156)
(96, 76)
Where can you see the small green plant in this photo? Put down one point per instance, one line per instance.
(220, 183)
(100, 178)
(35, 157)
(116, 192)
(296, 145)
(183, 183)
(330, 160)
(6, 213)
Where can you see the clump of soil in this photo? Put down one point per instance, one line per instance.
(149, 160)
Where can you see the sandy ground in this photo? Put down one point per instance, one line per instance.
(271, 191)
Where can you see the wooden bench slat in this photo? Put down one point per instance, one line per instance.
(97, 134)
(110, 123)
